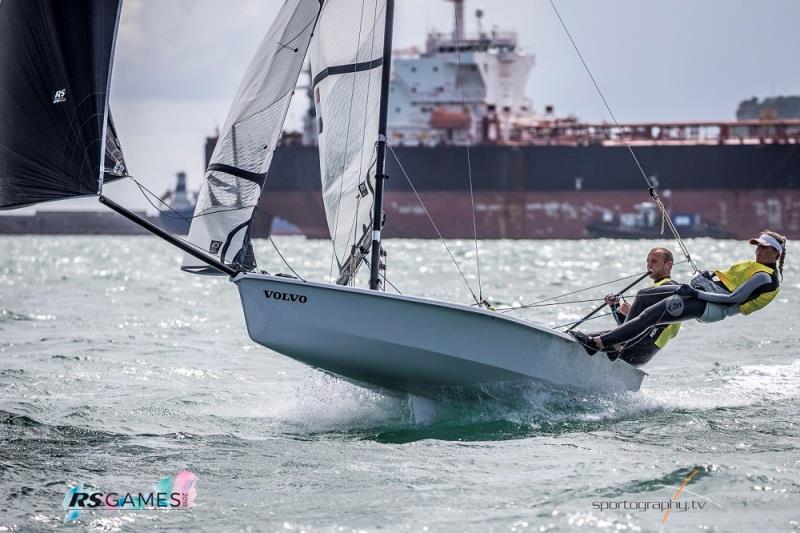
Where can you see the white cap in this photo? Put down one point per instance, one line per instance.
(768, 240)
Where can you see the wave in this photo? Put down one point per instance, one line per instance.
(9, 315)
(331, 408)
(731, 385)
(671, 479)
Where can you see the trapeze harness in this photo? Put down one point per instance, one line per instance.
(744, 288)
(641, 349)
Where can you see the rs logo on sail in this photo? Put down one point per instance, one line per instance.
(60, 96)
(286, 296)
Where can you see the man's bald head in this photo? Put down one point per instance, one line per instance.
(659, 263)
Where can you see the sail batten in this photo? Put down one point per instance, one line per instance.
(252, 131)
(57, 138)
(347, 69)
(256, 177)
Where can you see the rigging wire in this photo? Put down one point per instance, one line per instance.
(576, 291)
(665, 218)
(469, 171)
(385, 279)
(549, 304)
(633, 295)
(435, 227)
(145, 191)
(301, 278)
(274, 245)
(142, 189)
(581, 320)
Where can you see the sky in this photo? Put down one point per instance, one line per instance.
(178, 64)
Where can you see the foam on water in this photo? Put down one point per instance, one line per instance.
(732, 386)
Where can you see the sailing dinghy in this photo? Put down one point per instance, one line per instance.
(402, 343)
(399, 342)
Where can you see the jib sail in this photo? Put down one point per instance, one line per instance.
(239, 164)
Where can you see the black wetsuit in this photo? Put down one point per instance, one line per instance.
(643, 348)
(664, 305)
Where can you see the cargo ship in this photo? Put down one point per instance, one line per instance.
(537, 175)
(458, 108)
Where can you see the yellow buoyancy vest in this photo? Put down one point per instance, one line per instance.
(671, 330)
(738, 274)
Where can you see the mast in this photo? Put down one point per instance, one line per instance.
(377, 216)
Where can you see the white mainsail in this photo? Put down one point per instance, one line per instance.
(238, 167)
(346, 65)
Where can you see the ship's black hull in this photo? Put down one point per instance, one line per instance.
(556, 191)
(564, 168)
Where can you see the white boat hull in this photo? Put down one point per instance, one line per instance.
(416, 345)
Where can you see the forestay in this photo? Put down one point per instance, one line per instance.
(346, 64)
(239, 164)
(57, 139)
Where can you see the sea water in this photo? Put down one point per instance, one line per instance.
(117, 370)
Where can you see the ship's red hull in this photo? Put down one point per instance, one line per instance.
(547, 214)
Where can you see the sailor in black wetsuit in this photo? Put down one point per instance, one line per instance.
(743, 288)
(641, 350)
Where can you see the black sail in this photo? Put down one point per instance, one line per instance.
(114, 163)
(55, 71)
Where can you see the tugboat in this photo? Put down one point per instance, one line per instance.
(645, 223)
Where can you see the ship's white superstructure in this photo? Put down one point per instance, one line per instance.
(462, 88)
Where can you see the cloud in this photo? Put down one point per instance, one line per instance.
(186, 50)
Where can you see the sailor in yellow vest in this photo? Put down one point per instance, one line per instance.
(641, 350)
(743, 288)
